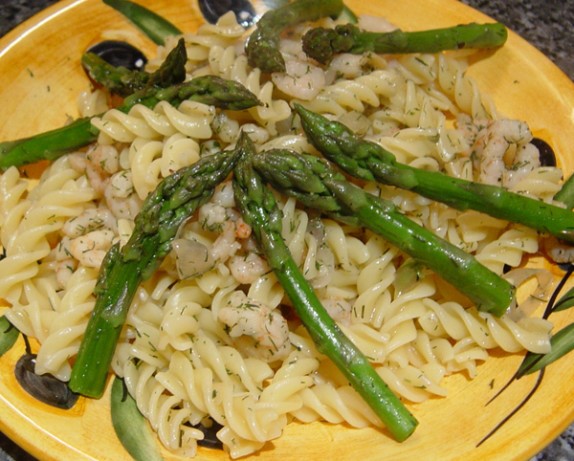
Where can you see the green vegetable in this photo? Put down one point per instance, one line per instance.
(566, 193)
(8, 335)
(369, 161)
(162, 214)
(131, 427)
(322, 44)
(123, 81)
(260, 210)
(561, 343)
(208, 89)
(317, 185)
(262, 47)
(157, 28)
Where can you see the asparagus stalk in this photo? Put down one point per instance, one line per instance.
(317, 185)
(262, 47)
(370, 161)
(157, 28)
(123, 81)
(208, 89)
(322, 44)
(566, 193)
(259, 210)
(156, 225)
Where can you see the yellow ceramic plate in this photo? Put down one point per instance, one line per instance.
(40, 77)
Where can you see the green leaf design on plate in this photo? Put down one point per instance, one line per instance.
(130, 425)
(8, 335)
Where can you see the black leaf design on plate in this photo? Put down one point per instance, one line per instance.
(212, 10)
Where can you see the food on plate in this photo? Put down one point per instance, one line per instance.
(243, 292)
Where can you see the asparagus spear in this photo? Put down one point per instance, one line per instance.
(259, 209)
(157, 28)
(370, 161)
(322, 44)
(156, 225)
(566, 193)
(123, 81)
(208, 89)
(262, 47)
(317, 185)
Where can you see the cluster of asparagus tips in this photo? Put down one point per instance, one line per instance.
(318, 185)
(322, 44)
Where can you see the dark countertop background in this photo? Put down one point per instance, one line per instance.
(546, 24)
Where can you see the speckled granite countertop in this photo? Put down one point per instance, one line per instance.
(547, 24)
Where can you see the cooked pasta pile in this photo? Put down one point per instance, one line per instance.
(211, 337)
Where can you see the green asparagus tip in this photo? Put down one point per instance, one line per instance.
(322, 44)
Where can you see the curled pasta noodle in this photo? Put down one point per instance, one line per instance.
(508, 249)
(335, 405)
(353, 94)
(67, 327)
(226, 63)
(451, 320)
(56, 198)
(541, 183)
(191, 118)
(91, 103)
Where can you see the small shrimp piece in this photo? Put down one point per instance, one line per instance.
(91, 219)
(347, 65)
(339, 309)
(120, 197)
(212, 216)
(527, 158)
(224, 195)
(90, 249)
(104, 158)
(242, 229)
(102, 162)
(226, 244)
(247, 269)
(301, 79)
(64, 270)
(502, 155)
(256, 327)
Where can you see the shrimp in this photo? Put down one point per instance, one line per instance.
(504, 154)
(226, 245)
(89, 249)
(91, 219)
(339, 309)
(302, 79)
(120, 196)
(98, 164)
(247, 269)
(256, 327)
